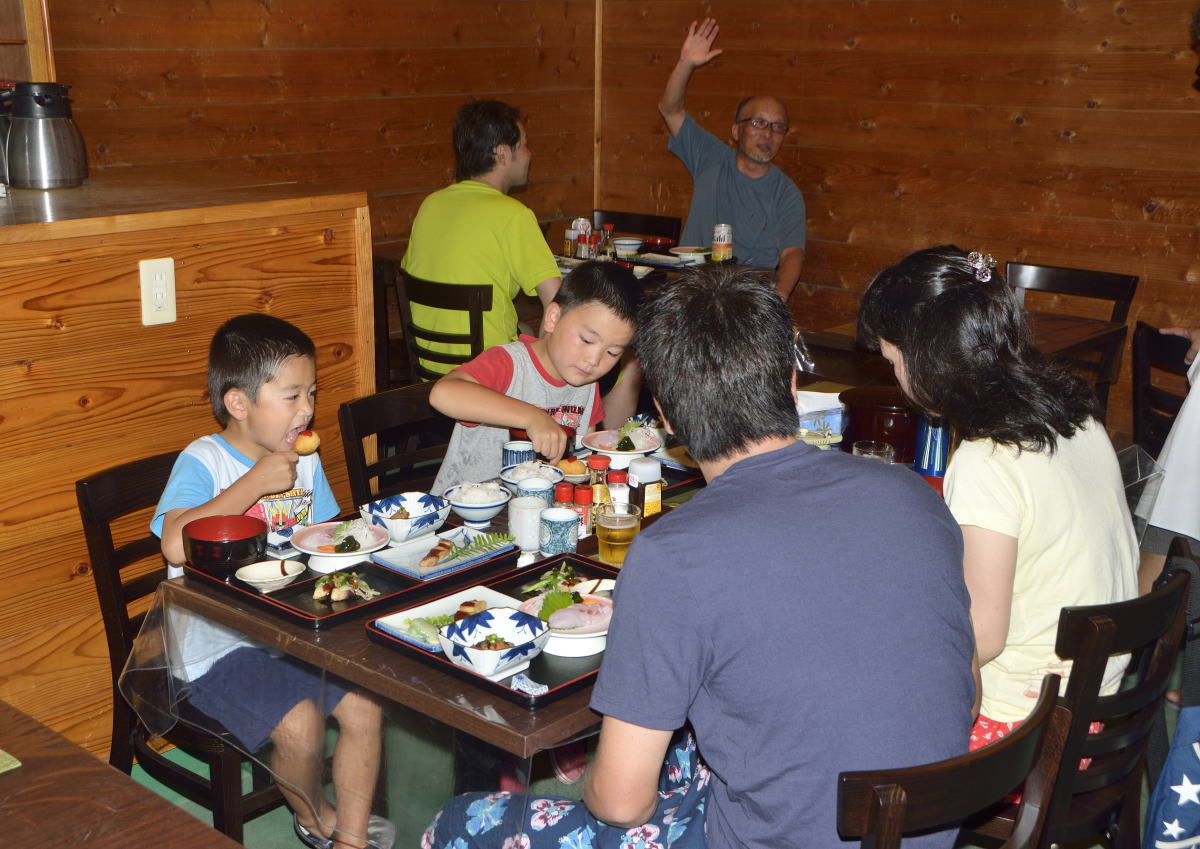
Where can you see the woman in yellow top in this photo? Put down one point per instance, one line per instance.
(1034, 483)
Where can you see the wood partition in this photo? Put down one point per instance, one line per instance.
(84, 386)
(1051, 133)
(337, 95)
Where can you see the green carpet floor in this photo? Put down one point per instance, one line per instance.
(417, 781)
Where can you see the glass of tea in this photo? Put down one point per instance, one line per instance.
(616, 526)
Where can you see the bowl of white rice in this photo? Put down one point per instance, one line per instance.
(511, 475)
(477, 503)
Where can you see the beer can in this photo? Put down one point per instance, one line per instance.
(722, 243)
(582, 225)
(933, 447)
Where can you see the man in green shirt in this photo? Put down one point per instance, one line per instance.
(472, 232)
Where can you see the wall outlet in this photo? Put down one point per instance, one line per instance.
(158, 290)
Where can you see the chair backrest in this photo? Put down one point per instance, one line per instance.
(638, 223)
(474, 300)
(881, 806)
(1150, 631)
(104, 498)
(1103, 285)
(1155, 407)
(392, 438)
(390, 369)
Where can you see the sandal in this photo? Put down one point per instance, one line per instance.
(381, 834)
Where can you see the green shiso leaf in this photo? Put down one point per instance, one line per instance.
(556, 600)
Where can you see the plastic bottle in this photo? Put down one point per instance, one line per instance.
(594, 246)
(607, 251)
(570, 240)
(598, 465)
(645, 485)
(581, 246)
(564, 494)
(583, 506)
(618, 486)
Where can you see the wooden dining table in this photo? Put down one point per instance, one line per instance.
(63, 796)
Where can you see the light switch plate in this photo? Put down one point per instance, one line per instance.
(158, 290)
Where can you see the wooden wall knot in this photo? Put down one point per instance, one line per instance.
(328, 235)
(82, 570)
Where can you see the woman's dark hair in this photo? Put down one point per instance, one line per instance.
(605, 283)
(717, 350)
(968, 353)
(478, 128)
(246, 352)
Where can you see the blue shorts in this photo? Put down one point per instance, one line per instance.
(250, 690)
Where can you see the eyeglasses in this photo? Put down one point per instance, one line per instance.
(777, 127)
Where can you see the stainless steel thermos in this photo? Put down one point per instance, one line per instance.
(42, 148)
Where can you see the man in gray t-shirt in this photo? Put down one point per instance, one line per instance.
(737, 186)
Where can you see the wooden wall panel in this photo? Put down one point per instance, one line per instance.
(1059, 133)
(84, 386)
(349, 95)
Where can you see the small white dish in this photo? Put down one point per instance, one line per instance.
(309, 539)
(393, 623)
(580, 642)
(692, 254)
(268, 575)
(620, 459)
(406, 558)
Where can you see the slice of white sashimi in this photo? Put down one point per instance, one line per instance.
(578, 616)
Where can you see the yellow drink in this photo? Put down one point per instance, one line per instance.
(616, 526)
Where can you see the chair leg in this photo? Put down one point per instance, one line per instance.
(120, 750)
(225, 777)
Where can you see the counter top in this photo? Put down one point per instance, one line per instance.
(109, 197)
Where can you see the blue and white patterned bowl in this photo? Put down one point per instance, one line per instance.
(526, 632)
(426, 513)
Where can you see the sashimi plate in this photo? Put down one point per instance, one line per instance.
(576, 642)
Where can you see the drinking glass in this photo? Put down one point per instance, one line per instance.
(875, 450)
(616, 526)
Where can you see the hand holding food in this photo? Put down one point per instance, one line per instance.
(306, 443)
(548, 438)
(275, 472)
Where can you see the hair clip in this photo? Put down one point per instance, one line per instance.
(983, 265)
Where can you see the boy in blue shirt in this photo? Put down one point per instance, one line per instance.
(262, 380)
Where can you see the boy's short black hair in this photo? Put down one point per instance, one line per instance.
(717, 348)
(247, 351)
(605, 283)
(478, 128)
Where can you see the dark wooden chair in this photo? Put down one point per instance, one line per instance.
(881, 806)
(391, 365)
(1105, 798)
(637, 223)
(473, 300)
(1154, 406)
(402, 433)
(1101, 370)
(115, 497)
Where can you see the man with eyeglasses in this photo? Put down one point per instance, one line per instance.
(739, 187)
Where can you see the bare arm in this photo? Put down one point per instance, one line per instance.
(791, 260)
(622, 782)
(621, 401)
(461, 396)
(989, 566)
(1192, 334)
(275, 472)
(547, 289)
(696, 51)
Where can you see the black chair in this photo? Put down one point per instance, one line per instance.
(474, 300)
(391, 365)
(637, 223)
(881, 806)
(403, 435)
(116, 496)
(1154, 406)
(1105, 798)
(1100, 371)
